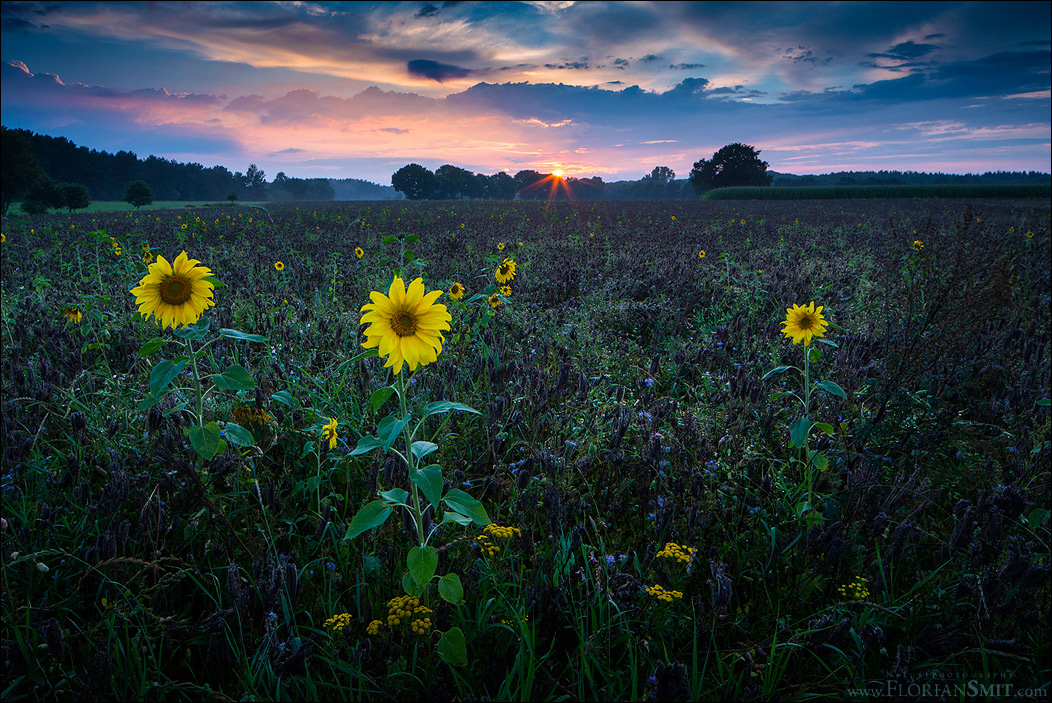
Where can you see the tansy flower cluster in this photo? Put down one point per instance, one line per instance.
(659, 592)
(486, 546)
(337, 622)
(501, 532)
(373, 628)
(249, 413)
(675, 551)
(856, 589)
(401, 608)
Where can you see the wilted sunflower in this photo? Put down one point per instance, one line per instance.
(72, 313)
(176, 294)
(802, 322)
(505, 272)
(494, 300)
(359, 252)
(279, 265)
(456, 291)
(329, 432)
(405, 325)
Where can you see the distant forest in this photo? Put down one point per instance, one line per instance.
(107, 175)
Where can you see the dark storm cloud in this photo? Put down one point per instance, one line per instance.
(426, 68)
(573, 65)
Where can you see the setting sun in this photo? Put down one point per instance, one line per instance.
(558, 173)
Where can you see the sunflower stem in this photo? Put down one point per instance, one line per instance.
(408, 434)
(807, 436)
(198, 395)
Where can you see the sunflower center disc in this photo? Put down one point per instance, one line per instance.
(175, 290)
(805, 322)
(404, 325)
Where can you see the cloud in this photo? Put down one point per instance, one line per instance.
(440, 72)
(393, 130)
(906, 51)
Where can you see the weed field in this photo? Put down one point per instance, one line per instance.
(619, 480)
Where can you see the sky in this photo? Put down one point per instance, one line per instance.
(610, 89)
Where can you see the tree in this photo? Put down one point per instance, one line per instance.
(74, 196)
(455, 182)
(138, 193)
(45, 195)
(526, 178)
(255, 183)
(733, 165)
(416, 182)
(21, 169)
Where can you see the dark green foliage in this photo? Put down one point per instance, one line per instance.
(852, 192)
(138, 193)
(416, 182)
(733, 165)
(75, 196)
(21, 169)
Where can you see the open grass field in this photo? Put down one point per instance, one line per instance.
(622, 482)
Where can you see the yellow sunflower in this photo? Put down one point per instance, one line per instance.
(329, 432)
(701, 254)
(359, 252)
(456, 291)
(505, 272)
(176, 294)
(72, 313)
(802, 322)
(406, 324)
(500, 246)
(494, 301)
(505, 291)
(917, 245)
(279, 265)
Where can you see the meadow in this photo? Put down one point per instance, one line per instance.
(618, 481)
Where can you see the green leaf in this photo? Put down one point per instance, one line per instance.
(389, 239)
(413, 238)
(378, 397)
(445, 406)
(409, 586)
(422, 563)
(238, 435)
(389, 429)
(235, 378)
(238, 334)
(450, 588)
(370, 564)
(830, 387)
(1036, 517)
(799, 430)
(365, 355)
(819, 460)
(206, 440)
(429, 481)
(371, 515)
(453, 648)
(365, 445)
(150, 347)
(195, 332)
(450, 516)
(825, 427)
(774, 371)
(1045, 402)
(829, 342)
(394, 496)
(422, 449)
(163, 374)
(814, 353)
(285, 398)
(148, 402)
(467, 506)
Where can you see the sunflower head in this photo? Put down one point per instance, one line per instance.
(500, 246)
(505, 272)
(456, 291)
(72, 313)
(279, 265)
(505, 291)
(701, 254)
(405, 325)
(803, 322)
(494, 301)
(329, 432)
(177, 294)
(359, 252)
(917, 245)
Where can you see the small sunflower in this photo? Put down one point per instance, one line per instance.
(701, 254)
(406, 324)
(279, 265)
(494, 301)
(359, 252)
(456, 291)
(176, 294)
(505, 291)
(802, 322)
(329, 432)
(72, 313)
(500, 246)
(917, 245)
(505, 272)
